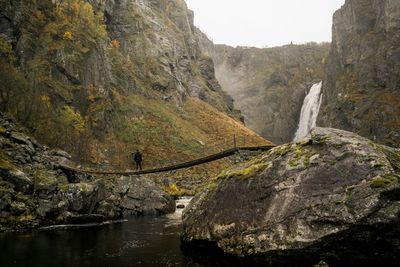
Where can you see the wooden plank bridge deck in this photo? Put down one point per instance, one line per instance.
(187, 164)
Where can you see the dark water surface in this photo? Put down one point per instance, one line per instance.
(141, 241)
(144, 241)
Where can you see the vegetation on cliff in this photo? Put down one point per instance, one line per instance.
(102, 79)
(361, 89)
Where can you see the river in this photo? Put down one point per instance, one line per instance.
(139, 241)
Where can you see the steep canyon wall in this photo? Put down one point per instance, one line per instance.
(362, 75)
(102, 78)
(269, 84)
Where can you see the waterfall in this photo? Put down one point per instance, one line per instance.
(309, 111)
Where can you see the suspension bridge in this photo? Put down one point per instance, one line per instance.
(182, 165)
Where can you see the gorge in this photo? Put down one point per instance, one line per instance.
(84, 83)
(268, 84)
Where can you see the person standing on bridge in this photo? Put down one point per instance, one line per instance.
(137, 157)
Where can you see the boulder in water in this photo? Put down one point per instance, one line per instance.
(334, 196)
(141, 196)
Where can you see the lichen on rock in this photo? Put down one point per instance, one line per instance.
(307, 196)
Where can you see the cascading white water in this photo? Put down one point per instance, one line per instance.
(309, 111)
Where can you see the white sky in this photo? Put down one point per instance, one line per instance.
(263, 23)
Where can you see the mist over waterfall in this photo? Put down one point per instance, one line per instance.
(309, 111)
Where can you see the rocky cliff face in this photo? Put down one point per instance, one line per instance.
(154, 38)
(268, 85)
(361, 89)
(102, 78)
(159, 37)
(332, 197)
(34, 192)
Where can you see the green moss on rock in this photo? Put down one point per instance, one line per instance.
(393, 157)
(17, 219)
(6, 187)
(44, 178)
(6, 164)
(244, 172)
(300, 155)
(383, 181)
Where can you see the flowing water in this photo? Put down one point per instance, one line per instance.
(309, 111)
(140, 241)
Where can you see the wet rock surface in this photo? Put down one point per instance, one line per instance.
(35, 193)
(332, 197)
(143, 197)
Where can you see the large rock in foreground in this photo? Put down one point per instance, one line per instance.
(334, 196)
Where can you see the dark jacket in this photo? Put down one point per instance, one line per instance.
(137, 156)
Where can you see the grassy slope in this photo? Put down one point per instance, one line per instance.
(167, 133)
(114, 108)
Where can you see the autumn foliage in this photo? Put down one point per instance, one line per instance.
(57, 36)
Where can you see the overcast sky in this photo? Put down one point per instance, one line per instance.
(263, 23)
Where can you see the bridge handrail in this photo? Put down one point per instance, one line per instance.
(187, 164)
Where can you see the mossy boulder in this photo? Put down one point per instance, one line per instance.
(312, 198)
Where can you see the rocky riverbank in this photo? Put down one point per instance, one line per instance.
(34, 192)
(332, 197)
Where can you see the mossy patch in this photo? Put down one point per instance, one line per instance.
(300, 156)
(63, 187)
(350, 188)
(5, 163)
(383, 181)
(6, 187)
(174, 190)
(44, 178)
(243, 173)
(27, 200)
(85, 187)
(17, 219)
(393, 157)
(250, 171)
(60, 218)
(281, 151)
(212, 185)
